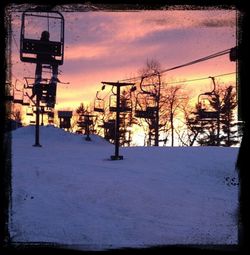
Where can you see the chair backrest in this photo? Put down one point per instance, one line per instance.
(41, 47)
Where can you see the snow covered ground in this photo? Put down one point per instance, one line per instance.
(69, 192)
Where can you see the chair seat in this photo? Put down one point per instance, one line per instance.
(37, 51)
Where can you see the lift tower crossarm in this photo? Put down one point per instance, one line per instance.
(120, 84)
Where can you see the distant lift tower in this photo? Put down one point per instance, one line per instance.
(65, 118)
(118, 108)
(42, 43)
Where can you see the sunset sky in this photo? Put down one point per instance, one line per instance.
(111, 46)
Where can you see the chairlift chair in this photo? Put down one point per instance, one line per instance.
(50, 114)
(50, 117)
(110, 124)
(98, 107)
(32, 122)
(206, 112)
(29, 111)
(25, 101)
(81, 124)
(147, 88)
(151, 104)
(142, 110)
(98, 104)
(50, 98)
(112, 103)
(18, 100)
(125, 104)
(109, 129)
(30, 47)
(65, 119)
(20, 94)
(84, 123)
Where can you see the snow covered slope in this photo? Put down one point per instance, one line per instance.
(69, 192)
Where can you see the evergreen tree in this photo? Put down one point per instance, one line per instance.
(84, 123)
(221, 130)
(229, 126)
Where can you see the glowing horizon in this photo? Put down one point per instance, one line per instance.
(111, 46)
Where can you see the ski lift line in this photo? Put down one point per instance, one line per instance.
(117, 83)
(43, 16)
(194, 62)
(218, 54)
(199, 79)
(15, 42)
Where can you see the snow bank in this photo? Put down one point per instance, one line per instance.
(70, 193)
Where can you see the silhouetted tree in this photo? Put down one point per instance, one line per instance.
(229, 126)
(173, 102)
(220, 131)
(126, 117)
(84, 123)
(150, 99)
(192, 126)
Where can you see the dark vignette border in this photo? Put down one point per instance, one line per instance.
(8, 247)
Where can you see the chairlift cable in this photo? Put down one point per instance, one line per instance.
(197, 60)
(15, 42)
(199, 79)
(214, 55)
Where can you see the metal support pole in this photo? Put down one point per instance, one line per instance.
(218, 120)
(117, 124)
(37, 143)
(157, 117)
(118, 110)
(172, 126)
(218, 110)
(42, 113)
(87, 130)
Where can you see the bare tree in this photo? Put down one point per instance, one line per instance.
(173, 104)
(148, 99)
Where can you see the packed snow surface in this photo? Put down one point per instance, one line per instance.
(69, 192)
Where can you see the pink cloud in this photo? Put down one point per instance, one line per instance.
(85, 52)
(110, 46)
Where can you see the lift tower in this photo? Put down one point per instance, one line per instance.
(118, 86)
